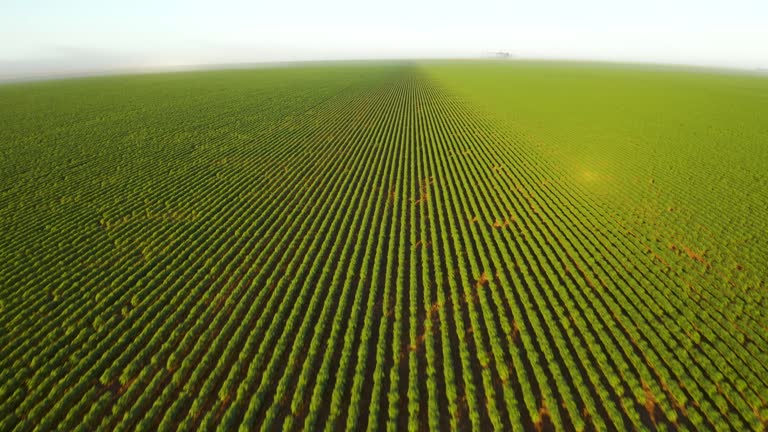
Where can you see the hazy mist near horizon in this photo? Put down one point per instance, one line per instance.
(43, 37)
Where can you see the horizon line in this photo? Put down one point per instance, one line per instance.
(106, 71)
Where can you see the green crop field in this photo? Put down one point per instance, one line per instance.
(487, 245)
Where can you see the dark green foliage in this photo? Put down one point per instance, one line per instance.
(358, 246)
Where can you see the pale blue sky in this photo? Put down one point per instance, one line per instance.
(45, 36)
